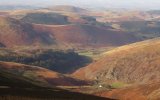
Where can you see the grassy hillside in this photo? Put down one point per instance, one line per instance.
(134, 63)
(148, 91)
(16, 33)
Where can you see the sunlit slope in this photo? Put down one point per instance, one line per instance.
(134, 63)
(140, 92)
(16, 33)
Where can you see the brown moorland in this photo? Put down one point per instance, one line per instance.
(16, 33)
(86, 35)
(134, 63)
(150, 91)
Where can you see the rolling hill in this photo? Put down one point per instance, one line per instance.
(40, 75)
(62, 53)
(16, 33)
(28, 89)
(121, 15)
(82, 35)
(67, 8)
(134, 63)
(142, 29)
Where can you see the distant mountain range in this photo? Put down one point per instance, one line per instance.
(16, 7)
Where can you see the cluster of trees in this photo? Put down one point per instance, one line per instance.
(46, 18)
(60, 61)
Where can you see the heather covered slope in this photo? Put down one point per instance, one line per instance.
(40, 75)
(134, 63)
(16, 33)
(87, 35)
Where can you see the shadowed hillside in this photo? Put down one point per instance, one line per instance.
(142, 29)
(39, 74)
(17, 87)
(44, 94)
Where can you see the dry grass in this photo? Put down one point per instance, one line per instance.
(135, 63)
(149, 91)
